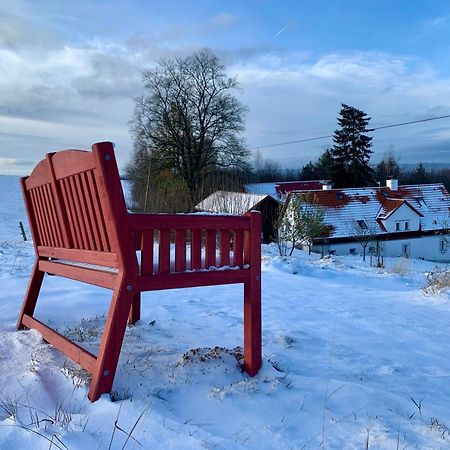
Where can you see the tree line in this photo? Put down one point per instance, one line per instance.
(188, 140)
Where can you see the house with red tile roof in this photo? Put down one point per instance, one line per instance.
(411, 221)
(279, 189)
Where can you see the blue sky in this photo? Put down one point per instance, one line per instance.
(69, 71)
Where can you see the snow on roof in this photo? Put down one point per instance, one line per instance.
(230, 202)
(343, 207)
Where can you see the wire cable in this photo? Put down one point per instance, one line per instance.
(297, 141)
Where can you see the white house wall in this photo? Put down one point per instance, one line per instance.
(402, 215)
(426, 247)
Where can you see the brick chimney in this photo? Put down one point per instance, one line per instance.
(326, 185)
(392, 184)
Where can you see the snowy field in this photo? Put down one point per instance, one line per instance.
(354, 357)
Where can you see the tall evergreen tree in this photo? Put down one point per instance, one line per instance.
(351, 150)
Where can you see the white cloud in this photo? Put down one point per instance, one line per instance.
(291, 98)
(76, 94)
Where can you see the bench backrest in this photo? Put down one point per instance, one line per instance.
(76, 207)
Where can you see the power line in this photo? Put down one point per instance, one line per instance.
(297, 141)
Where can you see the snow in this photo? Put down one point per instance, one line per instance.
(230, 202)
(350, 353)
(432, 201)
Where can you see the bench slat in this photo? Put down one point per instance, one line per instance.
(238, 249)
(76, 353)
(95, 277)
(196, 249)
(164, 251)
(191, 279)
(98, 212)
(88, 256)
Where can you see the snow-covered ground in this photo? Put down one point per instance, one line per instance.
(351, 354)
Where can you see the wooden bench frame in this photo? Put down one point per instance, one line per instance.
(81, 230)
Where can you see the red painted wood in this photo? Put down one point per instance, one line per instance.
(180, 250)
(69, 203)
(39, 176)
(32, 219)
(111, 343)
(196, 249)
(247, 246)
(97, 243)
(188, 221)
(54, 216)
(84, 212)
(86, 256)
(77, 213)
(189, 279)
(211, 260)
(69, 162)
(76, 353)
(49, 211)
(36, 213)
(113, 204)
(147, 252)
(164, 251)
(106, 246)
(252, 301)
(224, 247)
(59, 206)
(135, 311)
(90, 276)
(41, 214)
(238, 248)
(32, 294)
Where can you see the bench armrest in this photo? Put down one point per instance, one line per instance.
(142, 222)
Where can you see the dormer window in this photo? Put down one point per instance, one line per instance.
(397, 226)
(406, 225)
(362, 224)
(420, 201)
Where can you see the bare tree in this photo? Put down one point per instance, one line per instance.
(364, 232)
(300, 222)
(189, 121)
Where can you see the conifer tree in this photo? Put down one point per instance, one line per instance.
(351, 150)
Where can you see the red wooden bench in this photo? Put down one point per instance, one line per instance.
(81, 230)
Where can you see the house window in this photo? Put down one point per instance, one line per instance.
(397, 226)
(371, 250)
(406, 225)
(332, 252)
(406, 250)
(443, 246)
(362, 224)
(353, 251)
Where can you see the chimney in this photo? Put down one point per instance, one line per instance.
(326, 185)
(392, 184)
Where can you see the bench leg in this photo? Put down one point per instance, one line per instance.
(135, 312)
(32, 294)
(252, 327)
(112, 338)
